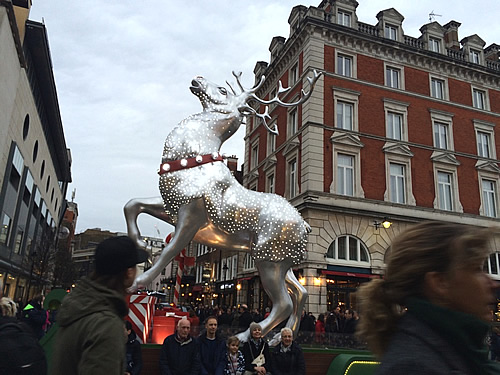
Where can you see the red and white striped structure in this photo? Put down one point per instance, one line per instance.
(140, 314)
(184, 261)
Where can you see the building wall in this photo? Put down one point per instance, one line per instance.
(30, 208)
(317, 42)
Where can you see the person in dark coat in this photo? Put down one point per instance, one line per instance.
(20, 352)
(253, 348)
(179, 354)
(245, 317)
(430, 313)
(212, 349)
(134, 352)
(35, 316)
(287, 358)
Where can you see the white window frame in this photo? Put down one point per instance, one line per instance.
(271, 183)
(397, 184)
(292, 171)
(489, 197)
(455, 194)
(342, 170)
(435, 44)
(346, 55)
(254, 154)
(474, 56)
(404, 159)
(398, 108)
(293, 122)
(494, 275)
(400, 74)
(271, 140)
(360, 247)
(293, 75)
(344, 18)
(445, 119)
(486, 128)
(445, 91)
(391, 31)
(485, 105)
(395, 129)
(346, 96)
(248, 263)
(342, 119)
(344, 65)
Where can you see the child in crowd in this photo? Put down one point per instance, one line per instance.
(235, 361)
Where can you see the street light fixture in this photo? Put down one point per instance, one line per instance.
(385, 223)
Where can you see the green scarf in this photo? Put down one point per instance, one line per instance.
(464, 332)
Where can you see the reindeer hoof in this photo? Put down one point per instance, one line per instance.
(275, 340)
(243, 336)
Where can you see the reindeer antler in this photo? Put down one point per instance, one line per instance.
(246, 109)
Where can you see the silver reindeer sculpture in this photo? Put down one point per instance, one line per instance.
(205, 203)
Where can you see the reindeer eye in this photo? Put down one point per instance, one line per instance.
(222, 90)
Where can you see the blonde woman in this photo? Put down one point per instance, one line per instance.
(430, 313)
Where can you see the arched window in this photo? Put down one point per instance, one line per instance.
(493, 265)
(348, 249)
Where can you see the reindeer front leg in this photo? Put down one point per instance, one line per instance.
(134, 207)
(191, 218)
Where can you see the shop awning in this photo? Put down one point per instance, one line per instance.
(351, 274)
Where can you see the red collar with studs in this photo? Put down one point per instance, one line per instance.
(177, 165)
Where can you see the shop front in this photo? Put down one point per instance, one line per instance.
(342, 284)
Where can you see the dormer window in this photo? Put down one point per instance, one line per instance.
(434, 45)
(474, 56)
(390, 32)
(344, 18)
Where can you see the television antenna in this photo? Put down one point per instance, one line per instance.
(433, 15)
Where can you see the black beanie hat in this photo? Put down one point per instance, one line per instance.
(116, 254)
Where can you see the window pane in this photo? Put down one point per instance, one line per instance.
(364, 254)
(483, 144)
(444, 191)
(441, 135)
(397, 183)
(342, 247)
(344, 115)
(353, 248)
(489, 198)
(331, 250)
(494, 264)
(345, 174)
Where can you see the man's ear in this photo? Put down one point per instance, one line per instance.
(436, 286)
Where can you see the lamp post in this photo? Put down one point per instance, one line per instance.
(224, 268)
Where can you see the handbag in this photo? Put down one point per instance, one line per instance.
(257, 361)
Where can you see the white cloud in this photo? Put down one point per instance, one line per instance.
(123, 69)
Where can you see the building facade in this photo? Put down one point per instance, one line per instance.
(399, 128)
(35, 164)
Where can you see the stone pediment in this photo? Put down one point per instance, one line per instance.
(390, 13)
(346, 139)
(291, 146)
(433, 27)
(397, 149)
(473, 40)
(270, 162)
(444, 157)
(487, 166)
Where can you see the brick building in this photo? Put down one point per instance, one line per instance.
(399, 128)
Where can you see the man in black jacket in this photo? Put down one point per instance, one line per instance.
(287, 358)
(212, 349)
(179, 353)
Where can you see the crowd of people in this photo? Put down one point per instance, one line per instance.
(211, 354)
(431, 313)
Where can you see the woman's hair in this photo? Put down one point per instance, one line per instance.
(8, 307)
(427, 247)
(321, 318)
(232, 340)
(254, 326)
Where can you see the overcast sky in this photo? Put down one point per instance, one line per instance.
(123, 70)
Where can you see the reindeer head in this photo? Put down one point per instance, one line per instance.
(216, 98)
